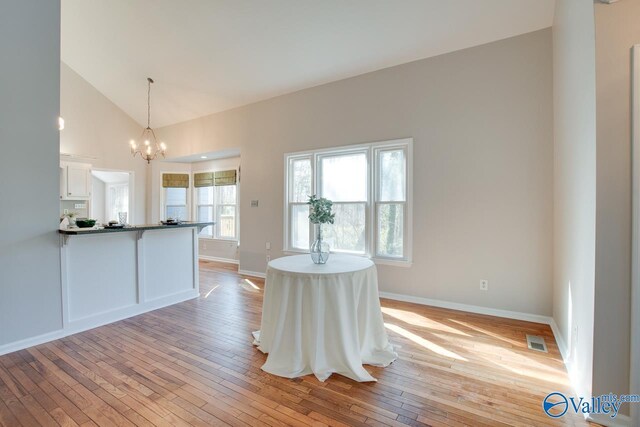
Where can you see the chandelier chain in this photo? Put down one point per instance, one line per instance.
(149, 102)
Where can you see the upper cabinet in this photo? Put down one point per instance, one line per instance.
(75, 181)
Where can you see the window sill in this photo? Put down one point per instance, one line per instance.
(217, 239)
(378, 261)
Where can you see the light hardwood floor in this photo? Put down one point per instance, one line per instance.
(193, 364)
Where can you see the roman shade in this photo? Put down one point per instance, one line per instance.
(225, 177)
(203, 179)
(175, 180)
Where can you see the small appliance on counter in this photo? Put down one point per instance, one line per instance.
(171, 221)
(114, 224)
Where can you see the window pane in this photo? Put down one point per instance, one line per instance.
(205, 214)
(300, 226)
(177, 212)
(392, 176)
(175, 196)
(226, 194)
(118, 199)
(204, 195)
(344, 178)
(348, 231)
(390, 230)
(300, 180)
(227, 221)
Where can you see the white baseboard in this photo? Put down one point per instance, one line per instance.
(562, 344)
(536, 318)
(101, 319)
(33, 341)
(252, 274)
(215, 258)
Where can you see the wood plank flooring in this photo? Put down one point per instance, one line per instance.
(193, 364)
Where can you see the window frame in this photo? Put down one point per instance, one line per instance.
(163, 206)
(372, 151)
(196, 207)
(217, 208)
(216, 228)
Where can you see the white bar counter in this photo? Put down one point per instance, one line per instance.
(113, 274)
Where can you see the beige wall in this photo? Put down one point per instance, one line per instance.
(96, 128)
(574, 186)
(617, 30)
(481, 120)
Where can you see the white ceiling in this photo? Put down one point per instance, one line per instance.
(212, 55)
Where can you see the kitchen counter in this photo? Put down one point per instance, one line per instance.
(144, 227)
(112, 274)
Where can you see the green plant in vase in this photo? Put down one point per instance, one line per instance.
(320, 212)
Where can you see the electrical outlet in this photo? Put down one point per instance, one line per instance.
(484, 285)
(254, 203)
(66, 211)
(268, 246)
(268, 258)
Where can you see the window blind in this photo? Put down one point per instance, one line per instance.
(203, 179)
(175, 180)
(225, 177)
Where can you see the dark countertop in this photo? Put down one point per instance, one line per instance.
(87, 231)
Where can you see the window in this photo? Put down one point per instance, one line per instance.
(369, 186)
(175, 203)
(117, 200)
(218, 204)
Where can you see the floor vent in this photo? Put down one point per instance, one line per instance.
(536, 343)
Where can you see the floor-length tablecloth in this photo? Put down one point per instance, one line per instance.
(322, 319)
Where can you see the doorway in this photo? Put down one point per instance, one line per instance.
(112, 195)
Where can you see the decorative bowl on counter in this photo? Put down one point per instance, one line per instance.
(85, 222)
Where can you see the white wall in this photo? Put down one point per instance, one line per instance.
(481, 120)
(617, 30)
(575, 185)
(100, 131)
(30, 292)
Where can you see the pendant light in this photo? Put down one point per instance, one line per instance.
(149, 148)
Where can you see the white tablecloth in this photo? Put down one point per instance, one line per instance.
(321, 319)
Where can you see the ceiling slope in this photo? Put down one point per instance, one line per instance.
(208, 56)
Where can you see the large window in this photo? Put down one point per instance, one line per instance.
(175, 204)
(219, 204)
(369, 186)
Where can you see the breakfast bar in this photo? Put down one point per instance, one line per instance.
(112, 274)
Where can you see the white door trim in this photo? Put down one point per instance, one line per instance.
(634, 381)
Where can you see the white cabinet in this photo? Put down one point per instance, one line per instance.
(75, 181)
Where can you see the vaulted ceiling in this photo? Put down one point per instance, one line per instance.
(208, 56)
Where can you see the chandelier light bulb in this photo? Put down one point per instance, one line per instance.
(146, 142)
(163, 146)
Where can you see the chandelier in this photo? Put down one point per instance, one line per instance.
(149, 149)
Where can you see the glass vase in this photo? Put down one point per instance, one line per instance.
(319, 249)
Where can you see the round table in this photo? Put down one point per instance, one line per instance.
(322, 319)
